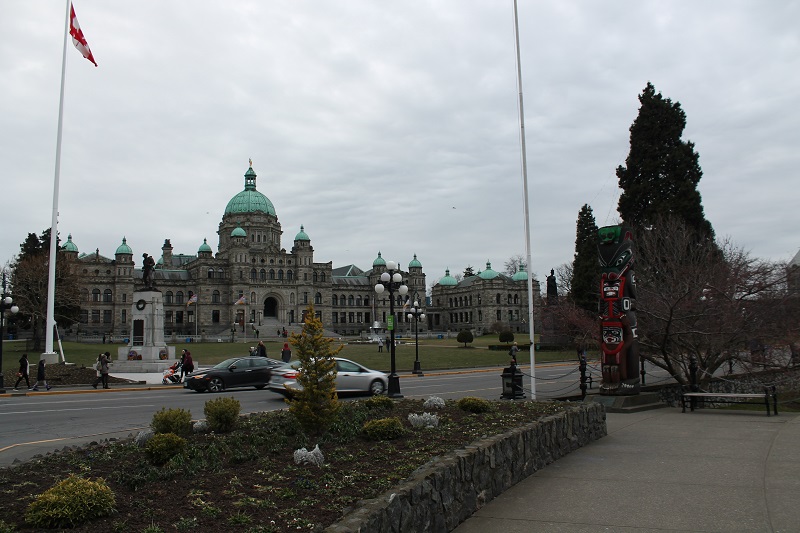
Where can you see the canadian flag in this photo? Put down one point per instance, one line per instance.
(77, 36)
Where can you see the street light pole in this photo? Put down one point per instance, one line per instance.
(6, 303)
(392, 281)
(416, 314)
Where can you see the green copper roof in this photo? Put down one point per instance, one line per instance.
(204, 247)
(448, 280)
(520, 275)
(69, 246)
(379, 261)
(123, 248)
(238, 232)
(488, 273)
(302, 236)
(414, 263)
(250, 200)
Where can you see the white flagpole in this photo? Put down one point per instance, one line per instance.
(51, 278)
(525, 206)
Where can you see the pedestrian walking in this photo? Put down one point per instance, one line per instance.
(103, 360)
(380, 344)
(187, 364)
(286, 353)
(40, 378)
(23, 372)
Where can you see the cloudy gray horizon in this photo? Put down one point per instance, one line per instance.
(390, 127)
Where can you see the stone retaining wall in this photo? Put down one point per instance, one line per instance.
(445, 492)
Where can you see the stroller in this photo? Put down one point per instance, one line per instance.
(172, 374)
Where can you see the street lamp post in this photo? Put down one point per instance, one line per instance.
(6, 303)
(392, 281)
(416, 314)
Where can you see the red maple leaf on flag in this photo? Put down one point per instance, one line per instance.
(77, 36)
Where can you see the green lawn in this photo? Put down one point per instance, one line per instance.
(434, 354)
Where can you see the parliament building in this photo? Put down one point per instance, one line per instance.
(252, 285)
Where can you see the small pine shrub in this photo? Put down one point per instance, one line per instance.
(163, 447)
(433, 402)
(71, 502)
(384, 429)
(425, 420)
(474, 405)
(379, 402)
(222, 414)
(177, 421)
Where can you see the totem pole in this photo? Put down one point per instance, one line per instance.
(620, 348)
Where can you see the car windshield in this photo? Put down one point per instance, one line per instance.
(226, 363)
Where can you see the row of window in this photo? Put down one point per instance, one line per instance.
(466, 301)
(466, 317)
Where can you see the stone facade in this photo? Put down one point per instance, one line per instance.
(447, 491)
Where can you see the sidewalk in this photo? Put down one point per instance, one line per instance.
(663, 471)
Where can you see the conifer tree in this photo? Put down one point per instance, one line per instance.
(585, 286)
(316, 405)
(661, 173)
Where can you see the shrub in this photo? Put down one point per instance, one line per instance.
(5, 527)
(163, 447)
(474, 405)
(177, 421)
(506, 336)
(71, 502)
(384, 429)
(313, 457)
(434, 402)
(465, 336)
(222, 414)
(143, 436)
(379, 402)
(425, 420)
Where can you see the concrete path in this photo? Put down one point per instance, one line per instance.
(663, 471)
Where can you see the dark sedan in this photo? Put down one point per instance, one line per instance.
(231, 373)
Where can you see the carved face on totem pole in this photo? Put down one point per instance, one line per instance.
(620, 357)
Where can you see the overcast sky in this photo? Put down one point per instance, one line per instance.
(390, 126)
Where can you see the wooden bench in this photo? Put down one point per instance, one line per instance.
(732, 397)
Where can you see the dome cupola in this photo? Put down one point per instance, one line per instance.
(488, 273)
(250, 200)
(302, 235)
(379, 261)
(69, 246)
(448, 280)
(124, 248)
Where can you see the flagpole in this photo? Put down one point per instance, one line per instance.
(51, 278)
(525, 206)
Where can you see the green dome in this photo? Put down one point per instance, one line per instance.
(69, 246)
(302, 236)
(414, 263)
(238, 232)
(379, 261)
(520, 275)
(488, 273)
(448, 280)
(204, 247)
(123, 248)
(250, 200)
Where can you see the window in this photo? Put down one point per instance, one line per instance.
(510, 298)
(107, 296)
(358, 301)
(262, 275)
(335, 300)
(95, 295)
(215, 316)
(322, 277)
(366, 301)
(350, 300)
(318, 298)
(499, 315)
(280, 274)
(289, 275)
(497, 298)
(179, 317)
(84, 295)
(168, 296)
(168, 317)
(291, 298)
(107, 319)
(315, 277)
(305, 297)
(220, 273)
(210, 273)
(179, 297)
(215, 297)
(271, 273)
(123, 316)
(351, 316)
(253, 274)
(95, 316)
(124, 297)
(84, 316)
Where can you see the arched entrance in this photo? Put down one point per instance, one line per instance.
(271, 308)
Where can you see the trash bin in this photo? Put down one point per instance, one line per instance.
(512, 384)
(440, 336)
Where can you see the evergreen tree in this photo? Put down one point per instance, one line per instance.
(316, 405)
(662, 172)
(585, 286)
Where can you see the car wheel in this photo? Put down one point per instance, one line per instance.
(377, 387)
(216, 385)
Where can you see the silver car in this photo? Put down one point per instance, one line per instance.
(350, 377)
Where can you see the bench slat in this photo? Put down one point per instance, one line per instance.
(723, 395)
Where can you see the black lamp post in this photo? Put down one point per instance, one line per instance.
(416, 314)
(392, 281)
(6, 303)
